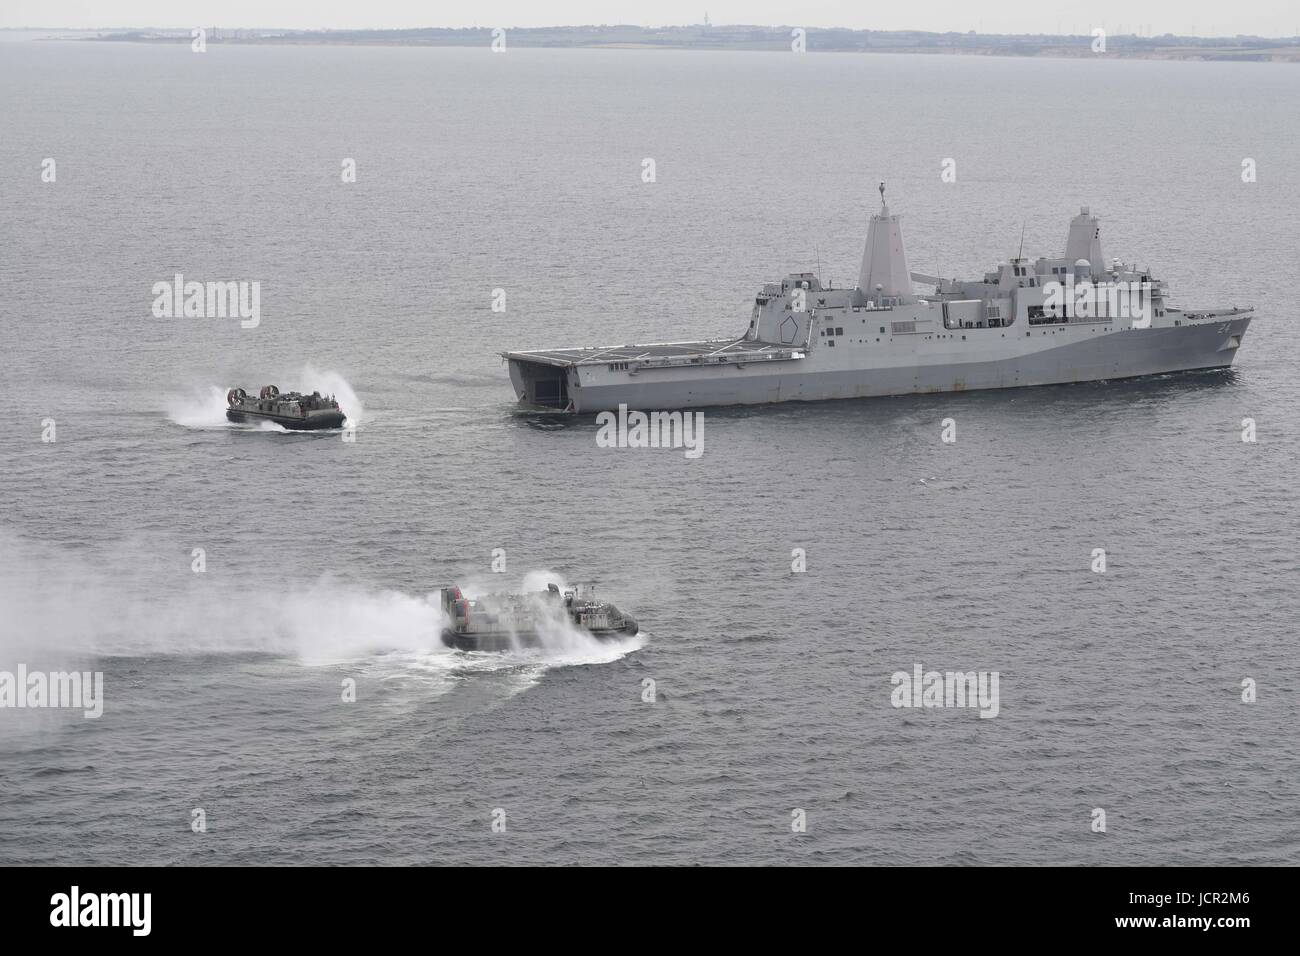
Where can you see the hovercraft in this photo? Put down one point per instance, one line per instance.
(505, 622)
(292, 410)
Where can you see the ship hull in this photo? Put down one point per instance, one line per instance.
(502, 641)
(312, 422)
(904, 365)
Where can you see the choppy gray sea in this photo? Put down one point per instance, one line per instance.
(1119, 691)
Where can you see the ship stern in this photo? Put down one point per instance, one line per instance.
(540, 384)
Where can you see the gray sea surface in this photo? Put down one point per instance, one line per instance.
(223, 690)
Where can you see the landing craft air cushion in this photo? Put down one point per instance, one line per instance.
(809, 342)
(291, 410)
(504, 622)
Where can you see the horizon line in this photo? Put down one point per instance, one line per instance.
(635, 26)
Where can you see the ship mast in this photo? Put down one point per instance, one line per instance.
(884, 276)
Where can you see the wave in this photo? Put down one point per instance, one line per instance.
(58, 606)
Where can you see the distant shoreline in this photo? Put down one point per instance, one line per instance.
(741, 38)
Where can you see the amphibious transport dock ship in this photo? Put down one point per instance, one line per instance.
(289, 410)
(1073, 318)
(503, 622)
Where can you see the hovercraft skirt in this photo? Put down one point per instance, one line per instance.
(310, 423)
(503, 641)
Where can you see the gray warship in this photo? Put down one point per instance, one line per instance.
(291, 410)
(504, 622)
(1072, 318)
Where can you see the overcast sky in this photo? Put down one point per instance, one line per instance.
(1202, 17)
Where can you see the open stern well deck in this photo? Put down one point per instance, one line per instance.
(541, 377)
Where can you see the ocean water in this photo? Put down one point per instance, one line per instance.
(224, 689)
